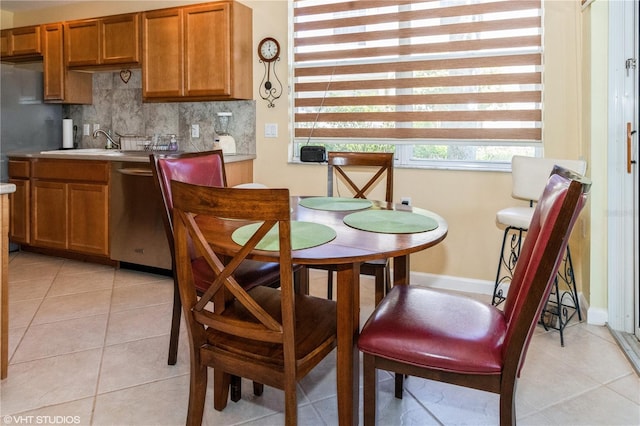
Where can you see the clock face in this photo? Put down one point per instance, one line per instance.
(269, 49)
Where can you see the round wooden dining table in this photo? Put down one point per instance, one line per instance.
(347, 251)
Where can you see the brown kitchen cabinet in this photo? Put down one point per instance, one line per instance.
(103, 42)
(70, 205)
(20, 43)
(19, 205)
(239, 172)
(60, 84)
(200, 52)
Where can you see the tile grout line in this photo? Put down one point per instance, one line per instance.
(104, 345)
(28, 326)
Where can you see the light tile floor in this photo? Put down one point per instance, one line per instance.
(88, 345)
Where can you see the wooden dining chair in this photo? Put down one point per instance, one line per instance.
(341, 168)
(203, 168)
(441, 336)
(268, 335)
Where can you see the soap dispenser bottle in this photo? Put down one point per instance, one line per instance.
(173, 143)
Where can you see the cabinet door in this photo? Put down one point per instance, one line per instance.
(5, 35)
(120, 39)
(61, 85)
(21, 42)
(53, 62)
(20, 212)
(162, 65)
(207, 50)
(239, 172)
(49, 214)
(88, 218)
(82, 43)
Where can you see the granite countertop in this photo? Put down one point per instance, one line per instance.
(109, 155)
(7, 188)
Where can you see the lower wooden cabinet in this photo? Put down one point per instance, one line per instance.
(20, 212)
(64, 205)
(49, 210)
(88, 218)
(70, 206)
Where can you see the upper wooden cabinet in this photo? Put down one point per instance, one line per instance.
(20, 43)
(103, 42)
(201, 52)
(60, 84)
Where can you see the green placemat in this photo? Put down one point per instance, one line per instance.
(390, 222)
(303, 235)
(335, 203)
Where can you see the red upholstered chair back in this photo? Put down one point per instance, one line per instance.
(538, 263)
(198, 168)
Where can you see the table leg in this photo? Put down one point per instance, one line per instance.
(401, 270)
(348, 365)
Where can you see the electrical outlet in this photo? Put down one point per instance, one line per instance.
(195, 130)
(96, 126)
(405, 200)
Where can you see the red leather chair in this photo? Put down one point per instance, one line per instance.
(202, 168)
(436, 335)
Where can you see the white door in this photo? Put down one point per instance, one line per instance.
(624, 287)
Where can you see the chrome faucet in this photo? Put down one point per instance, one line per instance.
(111, 143)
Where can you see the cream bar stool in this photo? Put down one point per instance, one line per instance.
(529, 175)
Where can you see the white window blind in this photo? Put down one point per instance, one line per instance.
(455, 71)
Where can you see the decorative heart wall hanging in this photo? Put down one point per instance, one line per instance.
(125, 75)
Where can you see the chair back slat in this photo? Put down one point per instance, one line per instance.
(555, 214)
(340, 162)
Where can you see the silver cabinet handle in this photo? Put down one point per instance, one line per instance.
(136, 172)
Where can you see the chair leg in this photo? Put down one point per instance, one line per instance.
(330, 285)
(175, 325)
(399, 385)
(236, 388)
(258, 388)
(197, 393)
(290, 402)
(370, 389)
(380, 284)
(387, 278)
(221, 385)
(508, 407)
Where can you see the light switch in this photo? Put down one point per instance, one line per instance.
(86, 130)
(195, 130)
(271, 130)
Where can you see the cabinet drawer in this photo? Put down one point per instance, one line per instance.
(72, 170)
(19, 168)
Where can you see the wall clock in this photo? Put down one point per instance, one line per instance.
(269, 49)
(269, 54)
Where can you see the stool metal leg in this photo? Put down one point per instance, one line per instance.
(507, 262)
(566, 303)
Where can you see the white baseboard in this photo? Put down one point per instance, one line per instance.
(597, 316)
(452, 283)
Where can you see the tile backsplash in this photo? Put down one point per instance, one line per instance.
(118, 106)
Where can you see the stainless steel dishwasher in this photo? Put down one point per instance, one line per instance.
(137, 229)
